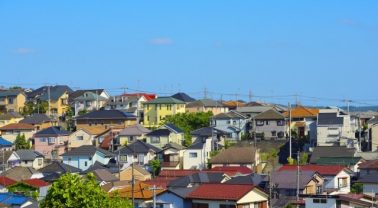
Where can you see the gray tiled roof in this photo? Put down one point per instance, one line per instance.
(28, 155)
(10, 93)
(134, 130)
(52, 131)
(322, 151)
(165, 100)
(183, 97)
(55, 92)
(230, 115)
(288, 179)
(329, 119)
(252, 179)
(235, 155)
(107, 114)
(59, 167)
(87, 150)
(104, 175)
(205, 103)
(181, 192)
(173, 128)
(197, 178)
(36, 119)
(269, 115)
(137, 147)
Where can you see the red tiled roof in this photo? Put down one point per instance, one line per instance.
(107, 142)
(17, 126)
(321, 169)
(232, 170)
(146, 95)
(372, 164)
(5, 181)
(220, 191)
(37, 183)
(160, 181)
(177, 173)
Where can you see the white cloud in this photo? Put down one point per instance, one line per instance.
(161, 41)
(24, 51)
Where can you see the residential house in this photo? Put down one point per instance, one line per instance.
(234, 104)
(168, 133)
(137, 152)
(206, 105)
(336, 177)
(334, 129)
(269, 124)
(183, 97)
(131, 133)
(228, 195)
(259, 180)
(5, 145)
(107, 139)
(142, 193)
(350, 162)
(54, 170)
(237, 156)
(372, 133)
(104, 176)
(197, 155)
(197, 179)
(26, 158)
(368, 176)
(89, 101)
(9, 118)
(5, 182)
(116, 185)
(140, 174)
(86, 156)
(38, 185)
(303, 121)
(217, 136)
(105, 119)
(81, 137)
(171, 156)
(232, 122)
(331, 151)
(175, 197)
(39, 121)
(16, 200)
(20, 173)
(4, 157)
(56, 96)
(341, 200)
(51, 142)
(12, 101)
(77, 93)
(11, 131)
(252, 110)
(156, 110)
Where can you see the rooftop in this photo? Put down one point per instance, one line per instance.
(221, 191)
(107, 114)
(321, 169)
(17, 126)
(87, 150)
(165, 100)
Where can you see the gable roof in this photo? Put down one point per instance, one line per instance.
(5, 181)
(287, 179)
(197, 178)
(252, 179)
(17, 126)
(159, 132)
(269, 115)
(90, 96)
(36, 183)
(134, 130)
(326, 170)
(302, 112)
(53, 131)
(230, 115)
(205, 103)
(235, 155)
(10, 93)
(28, 155)
(141, 191)
(173, 128)
(10, 115)
(55, 92)
(221, 191)
(79, 93)
(148, 96)
(59, 167)
(345, 161)
(104, 175)
(36, 119)
(107, 114)
(207, 132)
(183, 97)
(172, 145)
(137, 147)
(165, 100)
(332, 151)
(330, 119)
(372, 164)
(197, 145)
(5, 143)
(87, 150)
(19, 173)
(179, 191)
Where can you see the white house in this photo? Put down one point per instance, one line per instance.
(26, 158)
(89, 101)
(198, 154)
(335, 201)
(232, 122)
(81, 137)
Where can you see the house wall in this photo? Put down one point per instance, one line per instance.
(60, 106)
(214, 204)
(18, 103)
(223, 124)
(370, 188)
(124, 139)
(332, 182)
(154, 114)
(364, 172)
(374, 138)
(331, 203)
(203, 156)
(268, 129)
(253, 196)
(11, 135)
(214, 110)
(173, 201)
(84, 162)
(103, 124)
(88, 105)
(73, 141)
(175, 138)
(38, 163)
(47, 148)
(10, 121)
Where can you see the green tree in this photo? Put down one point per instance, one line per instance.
(189, 122)
(35, 107)
(356, 188)
(71, 190)
(21, 142)
(70, 123)
(303, 158)
(155, 165)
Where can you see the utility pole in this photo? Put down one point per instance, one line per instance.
(205, 93)
(154, 188)
(298, 178)
(132, 179)
(290, 145)
(347, 102)
(250, 95)
(359, 131)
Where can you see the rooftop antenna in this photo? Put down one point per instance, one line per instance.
(205, 93)
(250, 95)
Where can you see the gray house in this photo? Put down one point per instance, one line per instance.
(270, 124)
(232, 122)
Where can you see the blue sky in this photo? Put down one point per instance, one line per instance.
(322, 48)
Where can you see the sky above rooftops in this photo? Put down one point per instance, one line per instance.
(322, 49)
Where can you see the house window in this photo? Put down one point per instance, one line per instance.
(259, 123)
(228, 122)
(26, 162)
(69, 159)
(234, 123)
(51, 140)
(79, 138)
(10, 100)
(232, 206)
(85, 163)
(343, 182)
(123, 158)
(274, 133)
(42, 139)
(193, 155)
(155, 140)
(319, 201)
(141, 159)
(280, 123)
(266, 122)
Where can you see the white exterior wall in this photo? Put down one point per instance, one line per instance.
(370, 188)
(203, 156)
(214, 204)
(332, 182)
(331, 203)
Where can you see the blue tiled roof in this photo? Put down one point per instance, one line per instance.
(12, 199)
(5, 143)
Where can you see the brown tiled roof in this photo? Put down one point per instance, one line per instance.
(17, 126)
(141, 191)
(235, 155)
(371, 164)
(270, 115)
(302, 112)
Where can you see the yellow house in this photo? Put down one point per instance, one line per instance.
(79, 138)
(9, 118)
(206, 105)
(39, 121)
(56, 96)
(166, 134)
(12, 101)
(156, 110)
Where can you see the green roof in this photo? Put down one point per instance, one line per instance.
(165, 100)
(338, 160)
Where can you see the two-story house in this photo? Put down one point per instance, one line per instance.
(368, 177)
(78, 93)
(269, 124)
(86, 156)
(168, 133)
(11, 131)
(132, 133)
(26, 158)
(81, 137)
(372, 131)
(197, 155)
(206, 105)
(247, 156)
(303, 121)
(9, 118)
(89, 101)
(156, 110)
(39, 121)
(137, 152)
(232, 122)
(171, 156)
(12, 101)
(105, 119)
(51, 142)
(334, 129)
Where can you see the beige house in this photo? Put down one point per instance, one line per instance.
(237, 156)
(26, 158)
(9, 118)
(373, 134)
(11, 131)
(206, 105)
(140, 174)
(39, 121)
(168, 133)
(132, 133)
(12, 101)
(79, 138)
